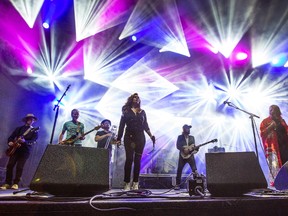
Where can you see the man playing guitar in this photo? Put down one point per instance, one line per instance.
(185, 144)
(74, 129)
(20, 144)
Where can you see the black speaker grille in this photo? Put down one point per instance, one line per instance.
(234, 173)
(72, 171)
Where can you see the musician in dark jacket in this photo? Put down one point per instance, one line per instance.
(185, 144)
(25, 136)
(103, 137)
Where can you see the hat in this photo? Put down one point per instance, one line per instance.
(29, 116)
(186, 126)
(102, 122)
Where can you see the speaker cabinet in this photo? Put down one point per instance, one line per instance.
(281, 180)
(233, 174)
(72, 171)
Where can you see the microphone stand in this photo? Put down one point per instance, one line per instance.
(56, 107)
(251, 116)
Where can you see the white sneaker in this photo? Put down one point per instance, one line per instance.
(127, 186)
(14, 187)
(135, 186)
(5, 187)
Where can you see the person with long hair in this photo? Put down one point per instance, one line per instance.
(274, 134)
(135, 120)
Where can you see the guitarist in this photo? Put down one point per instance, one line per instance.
(184, 144)
(22, 139)
(73, 129)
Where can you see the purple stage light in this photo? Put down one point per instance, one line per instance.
(29, 70)
(212, 49)
(241, 56)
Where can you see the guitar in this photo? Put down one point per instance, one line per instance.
(71, 140)
(16, 143)
(189, 150)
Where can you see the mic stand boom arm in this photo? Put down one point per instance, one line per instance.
(252, 124)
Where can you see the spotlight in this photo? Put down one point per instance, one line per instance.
(134, 38)
(46, 25)
(279, 60)
(241, 56)
(29, 70)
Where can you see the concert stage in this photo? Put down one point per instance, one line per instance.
(145, 202)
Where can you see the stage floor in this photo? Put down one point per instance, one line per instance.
(145, 202)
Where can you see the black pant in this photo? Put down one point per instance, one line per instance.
(18, 159)
(134, 145)
(181, 163)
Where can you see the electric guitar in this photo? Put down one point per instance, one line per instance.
(16, 143)
(71, 140)
(190, 150)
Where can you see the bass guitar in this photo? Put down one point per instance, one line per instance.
(190, 150)
(16, 143)
(71, 140)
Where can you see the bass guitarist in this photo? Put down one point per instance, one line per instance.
(74, 129)
(20, 144)
(185, 144)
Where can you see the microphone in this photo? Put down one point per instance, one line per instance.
(226, 102)
(153, 141)
(68, 87)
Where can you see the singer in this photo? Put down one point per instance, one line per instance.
(273, 131)
(135, 120)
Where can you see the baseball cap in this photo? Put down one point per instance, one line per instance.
(186, 126)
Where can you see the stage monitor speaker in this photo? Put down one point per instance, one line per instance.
(281, 180)
(233, 174)
(72, 171)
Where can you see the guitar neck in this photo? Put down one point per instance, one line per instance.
(88, 132)
(214, 140)
(203, 144)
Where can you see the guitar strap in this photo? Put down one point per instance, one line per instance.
(78, 128)
(187, 140)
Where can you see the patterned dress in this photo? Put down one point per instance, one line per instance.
(275, 141)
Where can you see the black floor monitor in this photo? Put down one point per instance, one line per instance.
(72, 171)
